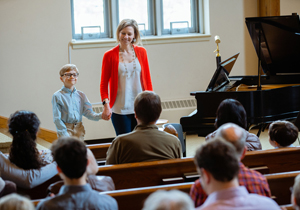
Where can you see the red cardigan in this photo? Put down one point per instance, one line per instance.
(109, 75)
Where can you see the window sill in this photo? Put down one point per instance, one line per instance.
(166, 39)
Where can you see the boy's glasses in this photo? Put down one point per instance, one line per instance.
(68, 75)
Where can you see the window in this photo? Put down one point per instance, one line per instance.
(179, 16)
(97, 19)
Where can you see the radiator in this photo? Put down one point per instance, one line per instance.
(172, 110)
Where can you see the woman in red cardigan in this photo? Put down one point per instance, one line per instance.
(125, 69)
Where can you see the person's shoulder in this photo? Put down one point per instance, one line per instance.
(248, 173)
(105, 200)
(261, 201)
(46, 203)
(122, 138)
(252, 136)
(57, 93)
(112, 50)
(211, 135)
(140, 48)
(80, 92)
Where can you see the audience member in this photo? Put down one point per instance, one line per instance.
(231, 110)
(282, 134)
(25, 165)
(252, 180)
(16, 202)
(23, 126)
(98, 183)
(295, 198)
(218, 166)
(146, 142)
(70, 155)
(69, 104)
(168, 200)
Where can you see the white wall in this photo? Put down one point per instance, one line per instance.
(34, 38)
(287, 7)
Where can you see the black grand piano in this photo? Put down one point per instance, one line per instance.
(266, 98)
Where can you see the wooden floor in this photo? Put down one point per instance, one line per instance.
(193, 142)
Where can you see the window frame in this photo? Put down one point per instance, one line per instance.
(107, 34)
(194, 18)
(201, 20)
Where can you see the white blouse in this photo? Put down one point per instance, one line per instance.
(129, 86)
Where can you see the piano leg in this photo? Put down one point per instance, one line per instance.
(262, 128)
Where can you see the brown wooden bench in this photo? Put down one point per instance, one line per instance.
(144, 174)
(280, 184)
(266, 161)
(99, 151)
(276, 160)
(134, 198)
(177, 170)
(153, 173)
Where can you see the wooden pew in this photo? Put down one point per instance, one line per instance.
(134, 198)
(273, 159)
(144, 174)
(155, 173)
(280, 184)
(99, 151)
(276, 160)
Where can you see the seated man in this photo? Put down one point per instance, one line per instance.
(218, 165)
(295, 198)
(252, 180)
(282, 134)
(145, 142)
(168, 200)
(70, 155)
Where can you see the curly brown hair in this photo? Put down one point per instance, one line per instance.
(23, 126)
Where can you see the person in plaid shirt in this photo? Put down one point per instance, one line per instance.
(252, 180)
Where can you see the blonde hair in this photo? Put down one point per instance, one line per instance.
(130, 22)
(296, 190)
(168, 200)
(15, 202)
(68, 67)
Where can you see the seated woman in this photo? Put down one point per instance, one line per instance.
(231, 110)
(25, 165)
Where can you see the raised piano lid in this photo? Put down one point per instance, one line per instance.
(280, 43)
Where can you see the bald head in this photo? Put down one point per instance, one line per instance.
(235, 135)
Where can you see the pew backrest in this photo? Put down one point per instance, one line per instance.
(144, 174)
(99, 150)
(276, 160)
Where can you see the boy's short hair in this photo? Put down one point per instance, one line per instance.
(147, 107)
(283, 132)
(70, 155)
(219, 158)
(66, 68)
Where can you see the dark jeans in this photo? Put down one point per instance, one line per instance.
(123, 123)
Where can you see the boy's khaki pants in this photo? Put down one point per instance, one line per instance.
(76, 129)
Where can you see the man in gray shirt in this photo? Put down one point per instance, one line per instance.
(70, 155)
